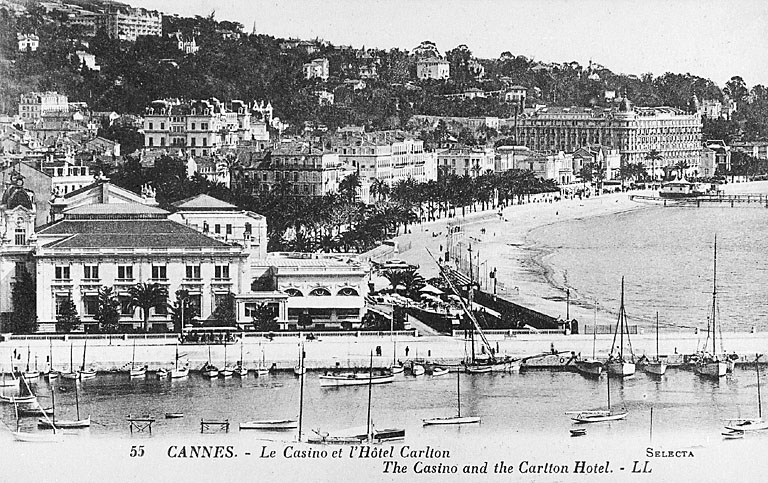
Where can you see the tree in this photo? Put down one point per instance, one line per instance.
(108, 311)
(182, 312)
(24, 317)
(654, 158)
(67, 318)
(265, 318)
(224, 313)
(148, 296)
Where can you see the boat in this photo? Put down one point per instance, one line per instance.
(418, 370)
(354, 436)
(226, 372)
(30, 375)
(617, 364)
(134, 371)
(397, 369)
(439, 371)
(240, 369)
(751, 424)
(209, 370)
(299, 368)
(599, 415)
(262, 369)
(35, 410)
(178, 372)
(656, 366)
(35, 437)
(271, 424)
(17, 399)
(710, 364)
(733, 434)
(174, 415)
(51, 373)
(590, 367)
(578, 432)
(355, 379)
(162, 373)
(64, 423)
(72, 374)
(84, 374)
(458, 419)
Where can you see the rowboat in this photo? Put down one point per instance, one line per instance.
(17, 399)
(271, 424)
(578, 432)
(439, 371)
(174, 415)
(418, 370)
(733, 434)
(65, 424)
(35, 411)
(37, 437)
(354, 379)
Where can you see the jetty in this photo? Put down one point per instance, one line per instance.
(721, 199)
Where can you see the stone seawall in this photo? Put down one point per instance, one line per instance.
(105, 354)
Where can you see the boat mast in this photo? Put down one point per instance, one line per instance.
(28, 358)
(470, 298)
(594, 333)
(657, 335)
(177, 357)
(608, 379)
(71, 367)
(301, 397)
(714, 301)
(759, 401)
(50, 356)
(370, 392)
(133, 355)
(85, 347)
(621, 319)
(77, 403)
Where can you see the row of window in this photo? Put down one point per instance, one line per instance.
(203, 125)
(125, 272)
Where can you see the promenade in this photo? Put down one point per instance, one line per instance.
(105, 354)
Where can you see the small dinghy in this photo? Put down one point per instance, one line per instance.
(578, 432)
(439, 371)
(733, 434)
(174, 415)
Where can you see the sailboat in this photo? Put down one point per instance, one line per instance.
(29, 374)
(262, 370)
(280, 424)
(35, 437)
(85, 374)
(240, 369)
(226, 372)
(72, 374)
(458, 419)
(591, 367)
(656, 366)
(25, 396)
(134, 372)
(598, 416)
(355, 436)
(299, 368)
(51, 374)
(709, 364)
(751, 424)
(477, 365)
(176, 372)
(66, 423)
(209, 370)
(11, 381)
(617, 364)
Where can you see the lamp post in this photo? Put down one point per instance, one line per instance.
(183, 301)
(567, 304)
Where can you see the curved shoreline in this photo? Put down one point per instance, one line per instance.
(521, 263)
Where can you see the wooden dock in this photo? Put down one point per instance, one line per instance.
(754, 199)
(210, 425)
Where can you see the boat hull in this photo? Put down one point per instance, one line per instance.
(65, 423)
(657, 368)
(748, 425)
(418, 370)
(271, 425)
(439, 371)
(138, 372)
(179, 373)
(589, 367)
(299, 370)
(451, 420)
(84, 375)
(17, 399)
(9, 383)
(354, 380)
(715, 369)
(598, 418)
(622, 369)
(29, 437)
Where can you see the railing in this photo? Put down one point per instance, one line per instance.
(510, 332)
(335, 333)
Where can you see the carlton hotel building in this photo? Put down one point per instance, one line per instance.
(634, 131)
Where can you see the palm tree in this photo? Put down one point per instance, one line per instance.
(655, 158)
(108, 310)
(147, 296)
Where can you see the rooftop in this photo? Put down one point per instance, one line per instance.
(204, 202)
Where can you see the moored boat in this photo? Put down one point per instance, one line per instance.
(589, 367)
(271, 424)
(658, 365)
(599, 415)
(354, 379)
(176, 415)
(439, 371)
(458, 419)
(418, 370)
(709, 364)
(618, 363)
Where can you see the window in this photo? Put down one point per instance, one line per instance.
(247, 227)
(91, 271)
(61, 301)
(320, 292)
(62, 273)
(151, 142)
(348, 291)
(125, 272)
(161, 309)
(194, 141)
(90, 305)
(229, 229)
(21, 236)
(221, 271)
(205, 142)
(217, 229)
(292, 292)
(162, 126)
(159, 272)
(150, 127)
(193, 126)
(193, 271)
(162, 141)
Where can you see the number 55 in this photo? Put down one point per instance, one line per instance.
(137, 451)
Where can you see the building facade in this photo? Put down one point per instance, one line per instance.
(433, 68)
(466, 161)
(317, 69)
(126, 23)
(32, 105)
(634, 131)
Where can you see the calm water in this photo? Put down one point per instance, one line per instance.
(533, 402)
(666, 257)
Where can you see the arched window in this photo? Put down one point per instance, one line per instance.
(348, 292)
(292, 292)
(320, 292)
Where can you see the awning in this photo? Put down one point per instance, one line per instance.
(430, 289)
(327, 302)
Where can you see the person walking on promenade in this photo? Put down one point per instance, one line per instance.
(406, 351)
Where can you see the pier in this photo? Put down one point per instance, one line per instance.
(754, 199)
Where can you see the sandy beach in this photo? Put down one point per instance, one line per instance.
(506, 245)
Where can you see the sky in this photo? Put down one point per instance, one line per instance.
(716, 39)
